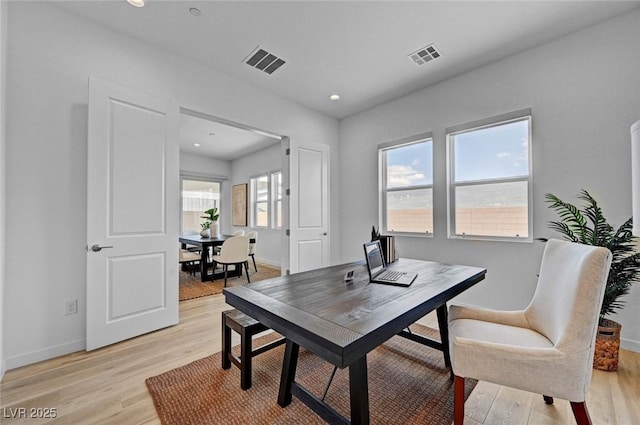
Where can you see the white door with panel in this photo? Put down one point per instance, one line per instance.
(132, 208)
(309, 206)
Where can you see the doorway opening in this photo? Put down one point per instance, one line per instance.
(217, 154)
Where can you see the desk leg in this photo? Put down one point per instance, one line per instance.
(443, 324)
(289, 365)
(359, 392)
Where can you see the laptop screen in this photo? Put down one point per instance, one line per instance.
(375, 262)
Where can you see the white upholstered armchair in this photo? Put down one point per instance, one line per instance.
(546, 348)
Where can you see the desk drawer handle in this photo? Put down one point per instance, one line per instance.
(98, 248)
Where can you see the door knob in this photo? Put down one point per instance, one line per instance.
(98, 248)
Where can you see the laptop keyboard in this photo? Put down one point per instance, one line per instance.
(391, 276)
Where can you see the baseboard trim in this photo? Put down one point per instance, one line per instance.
(44, 354)
(268, 262)
(629, 344)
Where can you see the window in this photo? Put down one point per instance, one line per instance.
(276, 190)
(490, 178)
(406, 182)
(197, 196)
(266, 200)
(260, 200)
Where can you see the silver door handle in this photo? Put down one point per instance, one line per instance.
(98, 248)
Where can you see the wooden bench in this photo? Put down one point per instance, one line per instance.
(247, 327)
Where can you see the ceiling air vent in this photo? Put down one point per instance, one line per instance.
(426, 54)
(263, 60)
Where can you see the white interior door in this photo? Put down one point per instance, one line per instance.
(309, 206)
(132, 224)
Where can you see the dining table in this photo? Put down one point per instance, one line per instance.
(204, 243)
(341, 321)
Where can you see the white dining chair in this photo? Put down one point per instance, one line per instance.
(253, 235)
(216, 249)
(235, 251)
(189, 259)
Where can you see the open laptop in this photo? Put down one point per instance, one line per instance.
(378, 272)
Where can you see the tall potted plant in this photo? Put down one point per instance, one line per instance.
(210, 225)
(589, 226)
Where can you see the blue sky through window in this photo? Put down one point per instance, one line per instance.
(494, 152)
(410, 165)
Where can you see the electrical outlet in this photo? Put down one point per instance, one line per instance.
(70, 307)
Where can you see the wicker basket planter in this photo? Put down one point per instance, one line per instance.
(607, 346)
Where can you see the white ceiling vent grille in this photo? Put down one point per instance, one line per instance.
(424, 55)
(263, 60)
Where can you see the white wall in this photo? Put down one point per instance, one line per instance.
(269, 245)
(3, 180)
(199, 165)
(51, 56)
(584, 93)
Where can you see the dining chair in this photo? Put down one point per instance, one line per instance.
(547, 348)
(253, 235)
(189, 259)
(235, 251)
(217, 248)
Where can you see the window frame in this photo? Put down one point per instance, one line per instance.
(277, 197)
(383, 190)
(254, 201)
(497, 121)
(272, 199)
(202, 178)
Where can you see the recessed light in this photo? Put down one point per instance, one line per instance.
(136, 3)
(195, 11)
(334, 97)
(197, 145)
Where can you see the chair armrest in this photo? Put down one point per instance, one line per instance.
(511, 318)
(518, 350)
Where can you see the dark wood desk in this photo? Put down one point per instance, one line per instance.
(204, 244)
(342, 323)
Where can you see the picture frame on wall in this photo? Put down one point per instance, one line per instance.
(239, 205)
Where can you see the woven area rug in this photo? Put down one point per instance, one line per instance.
(408, 384)
(192, 287)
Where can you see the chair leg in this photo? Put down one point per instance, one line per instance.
(581, 413)
(225, 267)
(246, 267)
(458, 400)
(245, 359)
(226, 343)
(547, 399)
(253, 257)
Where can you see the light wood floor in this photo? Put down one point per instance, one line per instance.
(107, 386)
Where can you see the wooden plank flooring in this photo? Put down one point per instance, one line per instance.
(107, 386)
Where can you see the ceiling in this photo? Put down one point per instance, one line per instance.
(219, 140)
(357, 49)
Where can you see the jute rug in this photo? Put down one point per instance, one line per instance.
(192, 287)
(408, 384)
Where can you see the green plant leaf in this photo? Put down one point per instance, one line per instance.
(590, 227)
